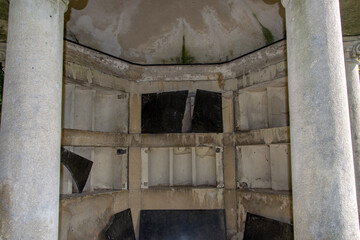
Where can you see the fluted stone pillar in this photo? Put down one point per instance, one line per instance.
(31, 120)
(352, 53)
(324, 196)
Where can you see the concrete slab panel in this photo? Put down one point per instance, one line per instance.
(280, 166)
(254, 166)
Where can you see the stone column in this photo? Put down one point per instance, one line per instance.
(31, 120)
(352, 52)
(324, 196)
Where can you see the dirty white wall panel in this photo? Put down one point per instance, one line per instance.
(205, 166)
(158, 164)
(65, 180)
(84, 104)
(68, 106)
(219, 167)
(253, 110)
(99, 110)
(144, 167)
(182, 167)
(108, 168)
(111, 111)
(254, 166)
(278, 107)
(280, 166)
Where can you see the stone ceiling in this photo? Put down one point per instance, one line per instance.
(173, 31)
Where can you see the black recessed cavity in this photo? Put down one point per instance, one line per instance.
(78, 166)
(259, 228)
(207, 116)
(121, 227)
(182, 224)
(163, 112)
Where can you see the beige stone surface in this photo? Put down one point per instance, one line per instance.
(270, 204)
(86, 217)
(280, 166)
(182, 198)
(254, 166)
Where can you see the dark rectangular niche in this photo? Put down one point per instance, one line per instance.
(207, 116)
(163, 112)
(121, 227)
(78, 166)
(182, 224)
(259, 228)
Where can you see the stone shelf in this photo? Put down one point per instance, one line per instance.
(83, 138)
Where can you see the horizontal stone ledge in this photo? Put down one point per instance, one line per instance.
(83, 138)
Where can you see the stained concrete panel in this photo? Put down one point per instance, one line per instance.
(68, 106)
(158, 167)
(108, 169)
(182, 166)
(84, 108)
(278, 106)
(205, 166)
(253, 110)
(111, 111)
(254, 166)
(280, 166)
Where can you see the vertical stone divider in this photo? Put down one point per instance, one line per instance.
(171, 167)
(30, 134)
(137, 171)
(352, 53)
(193, 166)
(323, 181)
(229, 165)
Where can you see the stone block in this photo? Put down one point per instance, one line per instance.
(108, 169)
(111, 111)
(253, 113)
(205, 166)
(84, 108)
(254, 166)
(182, 160)
(278, 106)
(158, 166)
(280, 166)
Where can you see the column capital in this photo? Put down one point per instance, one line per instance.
(352, 47)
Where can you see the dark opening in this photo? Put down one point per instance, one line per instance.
(207, 116)
(163, 112)
(182, 224)
(259, 228)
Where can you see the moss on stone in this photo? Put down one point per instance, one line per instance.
(4, 14)
(268, 36)
(185, 57)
